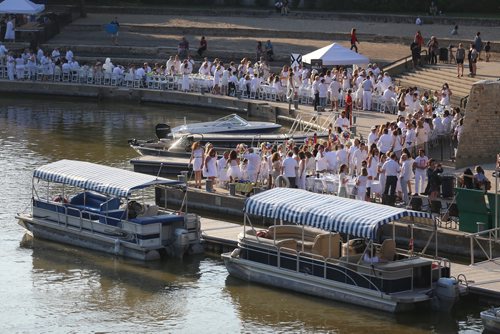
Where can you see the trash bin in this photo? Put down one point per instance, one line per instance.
(209, 185)
(447, 185)
(232, 189)
(443, 54)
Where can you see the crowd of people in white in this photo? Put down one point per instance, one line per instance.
(371, 88)
(389, 163)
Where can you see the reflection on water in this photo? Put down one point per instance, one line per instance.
(51, 288)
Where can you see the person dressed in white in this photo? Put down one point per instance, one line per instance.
(108, 66)
(321, 162)
(367, 93)
(302, 172)
(222, 170)
(10, 33)
(359, 156)
(185, 78)
(69, 55)
(323, 93)
(331, 160)
(253, 165)
(420, 164)
(373, 136)
(342, 156)
(405, 175)
(19, 68)
(385, 142)
(3, 53)
(391, 169)
(361, 183)
(56, 54)
(342, 123)
(334, 91)
(11, 66)
(210, 165)
(289, 169)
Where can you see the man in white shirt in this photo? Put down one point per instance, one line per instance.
(420, 165)
(437, 125)
(367, 93)
(289, 169)
(69, 55)
(341, 156)
(352, 152)
(373, 136)
(447, 122)
(253, 165)
(334, 91)
(170, 62)
(405, 176)
(402, 124)
(341, 123)
(331, 160)
(385, 142)
(359, 156)
(391, 169)
(321, 162)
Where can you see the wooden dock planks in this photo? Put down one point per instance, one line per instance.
(483, 278)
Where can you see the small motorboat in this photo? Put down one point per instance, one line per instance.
(491, 319)
(228, 124)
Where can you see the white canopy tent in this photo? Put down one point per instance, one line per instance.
(336, 54)
(20, 7)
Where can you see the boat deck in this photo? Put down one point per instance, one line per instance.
(483, 278)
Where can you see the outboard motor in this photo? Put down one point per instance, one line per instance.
(181, 242)
(162, 130)
(447, 293)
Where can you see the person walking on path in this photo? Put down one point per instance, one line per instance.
(460, 57)
(354, 40)
(114, 33)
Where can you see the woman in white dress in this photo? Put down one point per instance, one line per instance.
(11, 66)
(301, 184)
(108, 66)
(210, 165)
(233, 170)
(10, 33)
(361, 184)
(20, 68)
(216, 80)
(222, 170)
(224, 82)
(343, 179)
(197, 159)
(185, 78)
(372, 167)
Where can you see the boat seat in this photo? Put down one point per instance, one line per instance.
(387, 250)
(293, 232)
(112, 217)
(328, 245)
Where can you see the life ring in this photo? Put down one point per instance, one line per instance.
(60, 199)
(282, 181)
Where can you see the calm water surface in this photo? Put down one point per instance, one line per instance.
(48, 288)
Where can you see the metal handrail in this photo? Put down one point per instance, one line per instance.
(476, 237)
(405, 59)
(463, 101)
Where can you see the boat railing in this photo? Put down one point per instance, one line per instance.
(486, 236)
(353, 273)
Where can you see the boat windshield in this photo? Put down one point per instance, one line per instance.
(231, 120)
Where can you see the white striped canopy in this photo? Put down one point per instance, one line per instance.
(102, 179)
(331, 213)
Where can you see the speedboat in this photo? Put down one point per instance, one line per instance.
(306, 253)
(491, 319)
(228, 124)
(181, 147)
(106, 209)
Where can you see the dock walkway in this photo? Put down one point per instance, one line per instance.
(483, 278)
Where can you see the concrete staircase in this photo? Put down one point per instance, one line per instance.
(432, 77)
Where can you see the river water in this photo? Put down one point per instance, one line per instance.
(52, 288)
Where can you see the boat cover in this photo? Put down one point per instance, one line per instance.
(328, 212)
(102, 179)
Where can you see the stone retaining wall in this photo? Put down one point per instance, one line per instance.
(480, 140)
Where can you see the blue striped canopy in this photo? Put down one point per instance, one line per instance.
(102, 179)
(331, 213)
